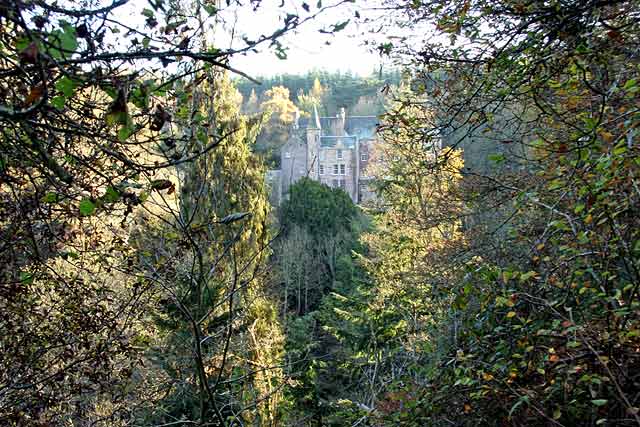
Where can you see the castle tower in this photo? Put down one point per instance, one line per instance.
(313, 146)
(341, 122)
(296, 119)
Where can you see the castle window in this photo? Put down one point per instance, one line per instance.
(335, 183)
(342, 170)
(364, 157)
(335, 169)
(342, 184)
(339, 154)
(321, 169)
(323, 155)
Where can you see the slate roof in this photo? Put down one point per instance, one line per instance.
(360, 126)
(331, 141)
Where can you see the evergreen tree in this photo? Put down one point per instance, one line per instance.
(218, 324)
(252, 106)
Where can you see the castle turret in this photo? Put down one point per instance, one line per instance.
(296, 119)
(341, 122)
(313, 146)
(316, 118)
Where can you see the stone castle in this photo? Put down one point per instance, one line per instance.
(336, 151)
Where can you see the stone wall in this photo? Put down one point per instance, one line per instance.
(293, 163)
(338, 168)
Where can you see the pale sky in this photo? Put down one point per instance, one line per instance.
(307, 47)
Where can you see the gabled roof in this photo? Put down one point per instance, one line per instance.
(360, 126)
(332, 141)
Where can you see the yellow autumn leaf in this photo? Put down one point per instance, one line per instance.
(606, 136)
(511, 314)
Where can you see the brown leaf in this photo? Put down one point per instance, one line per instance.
(29, 55)
(82, 31)
(615, 35)
(160, 117)
(162, 184)
(184, 44)
(34, 95)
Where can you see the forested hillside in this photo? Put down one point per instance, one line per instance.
(146, 280)
(330, 91)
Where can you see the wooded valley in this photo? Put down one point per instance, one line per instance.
(148, 277)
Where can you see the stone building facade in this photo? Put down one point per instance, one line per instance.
(335, 151)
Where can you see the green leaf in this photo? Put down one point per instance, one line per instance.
(148, 13)
(124, 133)
(22, 43)
(117, 117)
(66, 86)
(599, 402)
(111, 195)
(497, 158)
(87, 207)
(50, 198)
(26, 278)
(631, 83)
(58, 102)
(341, 26)
(211, 9)
(198, 117)
(69, 39)
(202, 137)
(621, 149)
(64, 41)
(140, 94)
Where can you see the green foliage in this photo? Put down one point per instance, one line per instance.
(87, 207)
(216, 240)
(527, 260)
(321, 210)
(103, 262)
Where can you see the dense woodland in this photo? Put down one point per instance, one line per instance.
(145, 280)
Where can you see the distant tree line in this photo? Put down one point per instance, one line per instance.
(342, 89)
